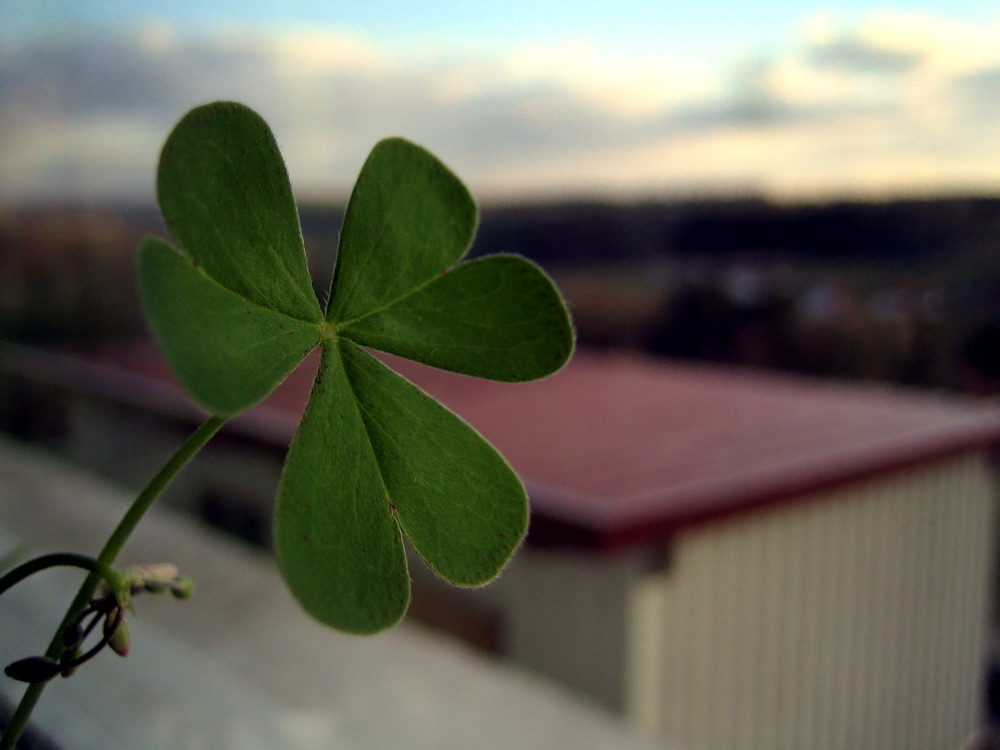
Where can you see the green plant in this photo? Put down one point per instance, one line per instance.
(374, 458)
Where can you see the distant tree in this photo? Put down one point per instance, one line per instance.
(982, 357)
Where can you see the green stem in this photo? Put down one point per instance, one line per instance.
(107, 556)
(55, 559)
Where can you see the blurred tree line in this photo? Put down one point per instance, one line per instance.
(893, 291)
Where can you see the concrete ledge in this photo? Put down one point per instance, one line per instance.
(239, 665)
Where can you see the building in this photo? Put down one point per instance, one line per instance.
(731, 560)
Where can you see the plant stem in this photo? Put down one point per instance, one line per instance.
(70, 559)
(107, 556)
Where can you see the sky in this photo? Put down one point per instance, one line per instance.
(634, 99)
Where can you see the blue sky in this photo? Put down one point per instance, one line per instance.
(707, 32)
(716, 22)
(631, 98)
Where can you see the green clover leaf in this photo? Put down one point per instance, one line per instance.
(374, 457)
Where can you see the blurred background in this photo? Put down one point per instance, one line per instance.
(792, 189)
(805, 188)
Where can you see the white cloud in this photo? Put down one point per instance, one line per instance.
(879, 103)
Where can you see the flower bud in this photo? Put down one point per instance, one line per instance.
(33, 669)
(72, 635)
(182, 588)
(163, 572)
(121, 642)
(68, 657)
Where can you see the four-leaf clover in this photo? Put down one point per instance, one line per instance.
(374, 458)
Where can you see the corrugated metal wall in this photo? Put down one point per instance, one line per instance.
(855, 622)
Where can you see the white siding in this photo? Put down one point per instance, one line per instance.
(854, 621)
(567, 615)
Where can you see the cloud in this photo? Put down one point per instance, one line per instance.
(857, 56)
(880, 103)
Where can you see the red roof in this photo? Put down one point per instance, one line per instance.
(617, 448)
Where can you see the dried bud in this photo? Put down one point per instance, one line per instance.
(33, 669)
(72, 635)
(68, 658)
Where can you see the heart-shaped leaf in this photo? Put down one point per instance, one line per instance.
(227, 351)
(374, 458)
(233, 307)
(497, 317)
(408, 219)
(225, 198)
